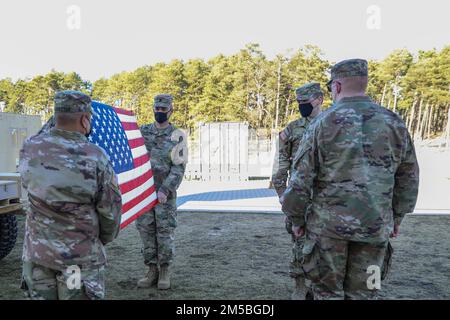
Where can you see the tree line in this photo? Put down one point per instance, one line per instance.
(248, 86)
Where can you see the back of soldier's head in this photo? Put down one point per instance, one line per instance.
(70, 101)
(352, 75)
(355, 84)
(70, 106)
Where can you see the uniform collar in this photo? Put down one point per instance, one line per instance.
(71, 135)
(355, 99)
(304, 121)
(161, 131)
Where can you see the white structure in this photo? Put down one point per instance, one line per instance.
(14, 129)
(220, 152)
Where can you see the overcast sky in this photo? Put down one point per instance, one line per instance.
(114, 36)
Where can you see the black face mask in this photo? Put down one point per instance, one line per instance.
(161, 117)
(305, 109)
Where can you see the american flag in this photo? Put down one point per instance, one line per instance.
(116, 131)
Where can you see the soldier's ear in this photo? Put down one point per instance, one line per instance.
(85, 122)
(338, 87)
(321, 100)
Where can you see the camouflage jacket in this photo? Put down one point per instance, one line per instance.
(289, 140)
(75, 202)
(357, 170)
(168, 153)
(48, 125)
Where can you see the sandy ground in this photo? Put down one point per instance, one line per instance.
(246, 256)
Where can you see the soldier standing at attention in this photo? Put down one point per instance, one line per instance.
(168, 156)
(310, 99)
(357, 170)
(74, 206)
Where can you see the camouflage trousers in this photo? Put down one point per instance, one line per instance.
(339, 269)
(295, 267)
(156, 229)
(42, 283)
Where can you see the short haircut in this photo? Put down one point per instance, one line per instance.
(64, 119)
(354, 84)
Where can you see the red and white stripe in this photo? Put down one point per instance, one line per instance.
(136, 185)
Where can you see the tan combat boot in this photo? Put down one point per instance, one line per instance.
(151, 277)
(300, 289)
(164, 277)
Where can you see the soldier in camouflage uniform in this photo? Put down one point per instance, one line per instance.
(356, 176)
(168, 156)
(310, 99)
(74, 206)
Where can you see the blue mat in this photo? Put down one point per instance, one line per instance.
(227, 195)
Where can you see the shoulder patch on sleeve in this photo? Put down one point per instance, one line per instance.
(178, 136)
(179, 153)
(285, 134)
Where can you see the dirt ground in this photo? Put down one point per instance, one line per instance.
(246, 256)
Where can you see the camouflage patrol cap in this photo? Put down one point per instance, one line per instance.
(72, 101)
(308, 91)
(163, 101)
(349, 68)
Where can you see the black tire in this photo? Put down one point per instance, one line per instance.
(8, 234)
